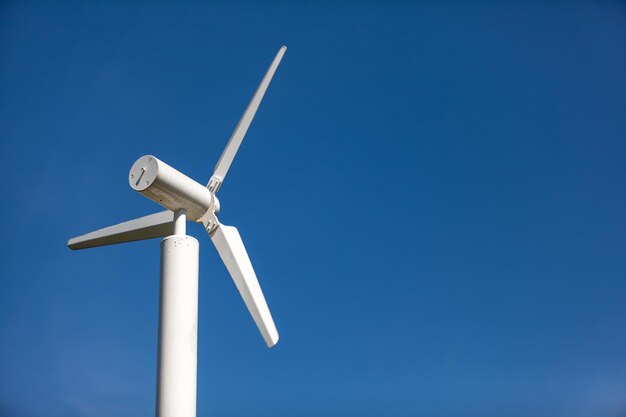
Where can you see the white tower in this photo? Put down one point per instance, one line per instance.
(186, 199)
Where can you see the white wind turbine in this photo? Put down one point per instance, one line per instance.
(178, 308)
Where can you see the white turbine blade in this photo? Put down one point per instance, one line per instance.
(242, 127)
(148, 227)
(230, 247)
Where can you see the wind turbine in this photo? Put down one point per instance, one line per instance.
(186, 199)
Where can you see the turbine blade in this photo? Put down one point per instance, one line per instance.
(147, 227)
(242, 127)
(230, 247)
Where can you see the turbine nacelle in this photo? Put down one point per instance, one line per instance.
(171, 188)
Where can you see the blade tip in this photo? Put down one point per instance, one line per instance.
(272, 340)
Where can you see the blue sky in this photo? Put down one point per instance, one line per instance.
(433, 197)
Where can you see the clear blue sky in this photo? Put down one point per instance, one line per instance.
(433, 196)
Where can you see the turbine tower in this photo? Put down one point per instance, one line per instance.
(186, 199)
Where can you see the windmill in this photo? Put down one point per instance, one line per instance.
(186, 199)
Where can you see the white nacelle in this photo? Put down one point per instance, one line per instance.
(169, 187)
